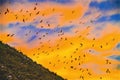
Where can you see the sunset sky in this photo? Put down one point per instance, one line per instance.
(76, 39)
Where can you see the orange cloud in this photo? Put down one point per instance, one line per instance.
(65, 14)
(71, 55)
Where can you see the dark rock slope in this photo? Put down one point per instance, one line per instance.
(16, 66)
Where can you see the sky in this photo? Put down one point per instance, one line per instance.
(76, 39)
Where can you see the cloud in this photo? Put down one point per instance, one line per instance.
(60, 14)
(64, 29)
(4, 2)
(56, 1)
(99, 1)
(118, 66)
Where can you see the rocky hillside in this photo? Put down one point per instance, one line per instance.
(16, 66)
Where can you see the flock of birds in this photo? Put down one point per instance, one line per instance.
(73, 58)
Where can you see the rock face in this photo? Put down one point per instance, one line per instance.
(16, 66)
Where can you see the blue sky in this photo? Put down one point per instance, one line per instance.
(118, 46)
(22, 30)
(106, 5)
(115, 17)
(115, 57)
(57, 1)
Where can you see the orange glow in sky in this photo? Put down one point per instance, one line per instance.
(69, 39)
